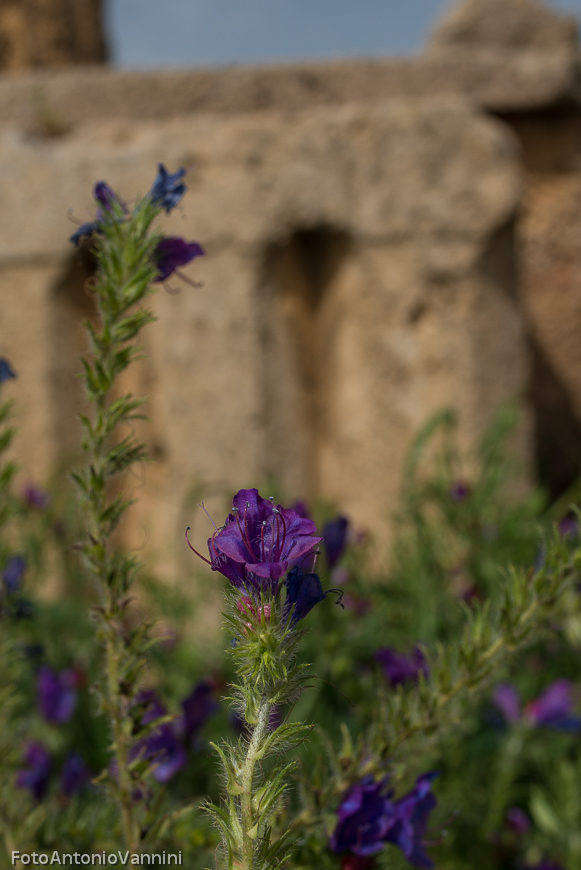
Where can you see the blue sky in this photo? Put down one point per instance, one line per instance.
(173, 33)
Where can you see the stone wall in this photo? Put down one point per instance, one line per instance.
(50, 33)
(380, 243)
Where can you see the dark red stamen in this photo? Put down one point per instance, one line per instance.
(283, 536)
(244, 538)
(194, 550)
(262, 539)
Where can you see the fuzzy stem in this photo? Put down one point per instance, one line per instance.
(247, 782)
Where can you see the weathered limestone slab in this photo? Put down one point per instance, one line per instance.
(358, 277)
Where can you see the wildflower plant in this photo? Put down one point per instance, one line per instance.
(131, 256)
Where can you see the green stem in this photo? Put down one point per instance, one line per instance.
(247, 783)
(507, 763)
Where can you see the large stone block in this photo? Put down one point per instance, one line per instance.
(358, 277)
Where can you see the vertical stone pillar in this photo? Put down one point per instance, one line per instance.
(41, 33)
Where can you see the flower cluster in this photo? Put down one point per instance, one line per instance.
(167, 746)
(171, 252)
(35, 776)
(369, 818)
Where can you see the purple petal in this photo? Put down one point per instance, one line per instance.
(173, 252)
(507, 700)
(553, 705)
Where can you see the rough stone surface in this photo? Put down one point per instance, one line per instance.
(50, 33)
(375, 236)
(551, 292)
(508, 24)
(56, 100)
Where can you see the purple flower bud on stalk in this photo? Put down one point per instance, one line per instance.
(399, 668)
(6, 370)
(335, 539)
(173, 252)
(36, 497)
(36, 775)
(56, 694)
(13, 573)
(168, 188)
(75, 774)
(258, 542)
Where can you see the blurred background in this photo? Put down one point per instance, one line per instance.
(386, 235)
(148, 33)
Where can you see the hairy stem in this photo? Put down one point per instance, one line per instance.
(247, 783)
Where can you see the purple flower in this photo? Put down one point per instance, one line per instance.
(173, 252)
(6, 371)
(168, 188)
(37, 773)
(569, 527)
(507, 700)
(56, 694)
(258, 541)
(335, 539)
(399, 668)
(365, 816)
(412, 813)
(552, 709)
(75, 774)
(13, 573)
(518, 821)
(163, 745)
(198, 707)
(545, 864)
(459, 491)
(36, 497)
(368, 818)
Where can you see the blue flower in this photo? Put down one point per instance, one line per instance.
(168, 188)
(75, 774)
(412, 813)
(36, 775)
(335, 539)
(303, 591)
(57, 694)
(6, 371)
(198, 707)
(13, 573)
(368, 818)
(365, 816)
(84, 231)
